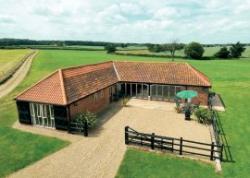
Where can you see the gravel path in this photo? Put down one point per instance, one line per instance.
(100, 154)
(14, 81)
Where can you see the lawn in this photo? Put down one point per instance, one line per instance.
(9, 59)
(141, 164)
(18, 149)
(230, 78)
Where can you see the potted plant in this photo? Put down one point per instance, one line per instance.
(188, 113)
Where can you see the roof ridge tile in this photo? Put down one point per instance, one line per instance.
(200, 75)
(117, 74)
(85, 65)
(62, 86)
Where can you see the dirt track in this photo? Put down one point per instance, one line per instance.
(16, 79)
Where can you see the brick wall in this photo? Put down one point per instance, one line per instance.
(202, 95)
(90, 104)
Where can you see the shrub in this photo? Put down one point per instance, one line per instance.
(237, 49)
(88, 117)
(203, 115)
(111, 48)
(194, 50)
(223, 53)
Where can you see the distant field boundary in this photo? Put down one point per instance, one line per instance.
(164, 56)
(7, 75)
(148, 55)
(51, 48)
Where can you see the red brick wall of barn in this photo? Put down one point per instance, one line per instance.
(202, 95)
(90, 104)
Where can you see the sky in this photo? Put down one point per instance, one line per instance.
(154, 21)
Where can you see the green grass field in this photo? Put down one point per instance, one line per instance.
(149, 164)
(230, 78)
(10, 58)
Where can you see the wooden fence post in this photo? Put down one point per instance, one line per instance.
(221, 151)
(85, 130)
(181, 143)
(212, 152)
(126, 135)
(153, 141)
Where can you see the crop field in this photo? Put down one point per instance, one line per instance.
(9, 59)
(230, 78)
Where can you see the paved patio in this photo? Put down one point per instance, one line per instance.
(100, 154)
(217, 103)
(161, 118)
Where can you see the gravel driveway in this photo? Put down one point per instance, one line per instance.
(100, 154)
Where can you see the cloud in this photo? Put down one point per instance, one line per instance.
(165, 13)
(211, 21)
(7, 20)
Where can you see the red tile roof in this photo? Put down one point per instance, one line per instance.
(82, 81)
(48, 90)
(164, 73)
(68, 85)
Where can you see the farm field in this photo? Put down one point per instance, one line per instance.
(9, 59)
(233, 87)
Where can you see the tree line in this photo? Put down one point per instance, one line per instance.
(196, 50)
(27, 42)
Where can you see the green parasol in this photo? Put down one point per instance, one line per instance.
(186, 94)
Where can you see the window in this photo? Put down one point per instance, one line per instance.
(98, 95)
(153, 90)
(102, 94)
(159, 91)
(172, 91)
(165, 92)
(42, 114)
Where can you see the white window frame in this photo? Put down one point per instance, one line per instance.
(39, 115)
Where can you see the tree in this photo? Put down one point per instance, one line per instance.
(237, 49)
(60, 43)
(223, 53)
(156, 48)
(150, 47)
(194, 50)
(124, 45)
(172, 47)
(111, 48)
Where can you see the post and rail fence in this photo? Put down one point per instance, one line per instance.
(175, 145)
(214, 122)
